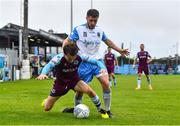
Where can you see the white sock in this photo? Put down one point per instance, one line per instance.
(139, 83)
(107, 99)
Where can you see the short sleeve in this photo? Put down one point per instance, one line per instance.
(104, 37)
(74, 35)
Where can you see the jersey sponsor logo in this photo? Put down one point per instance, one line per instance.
(69, 70)
(142, 57)
(91, 44)
(109, 58)
(76, 62)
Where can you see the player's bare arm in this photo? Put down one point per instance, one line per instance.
(113, 46)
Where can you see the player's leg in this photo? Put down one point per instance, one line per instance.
(104, 80)
(78, 98)
(84, 88)
(85, 73)
(109, 73)
(146, 71)
(139, 81)
(106, 93)
(139, 78)
(49, 102)
(114, 78)
(110, 80)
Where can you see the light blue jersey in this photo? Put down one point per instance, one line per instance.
(88, 42)
(56, 60)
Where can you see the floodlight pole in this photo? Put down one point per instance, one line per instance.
(25, 31)
(71, 25)
(91, 4)
(25, 70)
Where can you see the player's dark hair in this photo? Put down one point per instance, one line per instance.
(71, 49)
(93, 12)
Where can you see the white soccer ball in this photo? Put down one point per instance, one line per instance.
(81, 111)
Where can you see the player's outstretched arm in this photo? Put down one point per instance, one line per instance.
(113, 46)
(52, 63)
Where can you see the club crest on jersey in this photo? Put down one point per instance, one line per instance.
(84, 34)
(98, 34)
(76, 62)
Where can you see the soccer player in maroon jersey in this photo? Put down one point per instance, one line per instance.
(110, 62)
(67, 78)
(143, 59)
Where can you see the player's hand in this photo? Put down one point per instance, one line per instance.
(124, 52)
(103, 71)
(42, 77)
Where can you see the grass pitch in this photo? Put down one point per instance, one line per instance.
(20, 103)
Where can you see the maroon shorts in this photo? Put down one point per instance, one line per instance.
(110, 69)
(61, 88)
(145, 69)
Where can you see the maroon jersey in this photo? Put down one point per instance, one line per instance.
(66, 72)
(109, 59)
(143, 58)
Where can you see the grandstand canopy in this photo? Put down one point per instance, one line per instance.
(9, 37)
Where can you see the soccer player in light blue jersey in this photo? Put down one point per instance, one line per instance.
(88, 38)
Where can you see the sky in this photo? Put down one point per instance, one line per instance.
(156, 23)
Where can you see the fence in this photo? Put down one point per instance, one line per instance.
(9, 62)
(153, 69)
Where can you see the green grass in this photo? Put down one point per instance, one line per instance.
(20, 103)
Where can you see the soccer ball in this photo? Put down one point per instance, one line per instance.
(81, 111)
